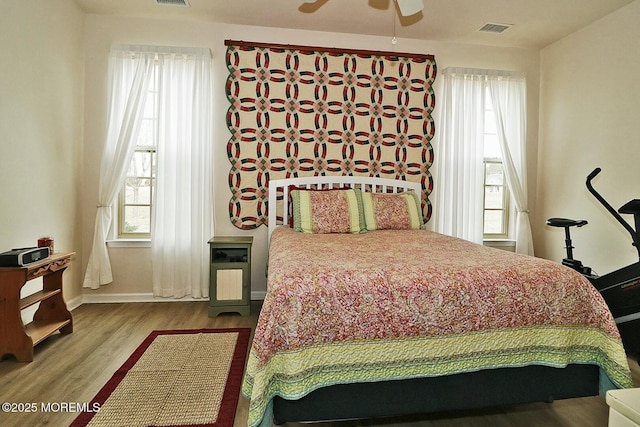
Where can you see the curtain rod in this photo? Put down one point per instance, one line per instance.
(483, 72)
(241, 43)
(160, 49)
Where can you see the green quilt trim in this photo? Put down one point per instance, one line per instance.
(293, 374)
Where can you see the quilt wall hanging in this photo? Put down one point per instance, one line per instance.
(302, 111)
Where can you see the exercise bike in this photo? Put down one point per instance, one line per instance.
(620, 288)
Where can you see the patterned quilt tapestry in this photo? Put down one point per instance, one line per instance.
(303, 111)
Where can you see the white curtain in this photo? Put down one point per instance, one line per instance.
(458, 192)
(129, 80)
(508, 96)
(459, 160)
(183, 219)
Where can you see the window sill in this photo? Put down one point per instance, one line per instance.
(509, 245)
(129, 243)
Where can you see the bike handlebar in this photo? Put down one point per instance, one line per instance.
(635, 235)
(593, 174)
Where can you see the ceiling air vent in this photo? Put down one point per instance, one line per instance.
(490, 27)
(183, 3)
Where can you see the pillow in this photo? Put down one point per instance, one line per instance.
(328, 211)
(400, 211)
(295, 187)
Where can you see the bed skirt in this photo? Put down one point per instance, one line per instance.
(474, 390)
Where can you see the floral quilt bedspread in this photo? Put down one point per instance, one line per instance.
(391, 304)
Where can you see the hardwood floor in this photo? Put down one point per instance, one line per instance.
(72, 368)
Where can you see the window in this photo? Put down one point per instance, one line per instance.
(165, 95)
(136, 197)
(496, 193)
(473, 201)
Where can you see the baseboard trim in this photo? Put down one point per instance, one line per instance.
(258, 295)
(74, 303)
(139, 297)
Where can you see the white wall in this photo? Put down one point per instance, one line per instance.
(132, 272)
(589, 117)
(53, 120)
(41, 84)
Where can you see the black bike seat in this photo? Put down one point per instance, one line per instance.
(632, 207)
(565, 222)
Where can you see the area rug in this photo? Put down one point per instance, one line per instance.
(174, 378)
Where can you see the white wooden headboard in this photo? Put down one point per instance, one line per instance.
(365, 183)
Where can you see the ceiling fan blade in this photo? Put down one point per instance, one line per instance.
(409, 7)
(311, 6)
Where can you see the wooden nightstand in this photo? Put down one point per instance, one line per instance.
(230, 275)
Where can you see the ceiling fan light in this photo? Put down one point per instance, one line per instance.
(409, 7)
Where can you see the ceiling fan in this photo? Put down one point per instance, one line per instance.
(409, 7)
(406, 7)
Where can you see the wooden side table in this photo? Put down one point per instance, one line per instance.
(230, 275)
(52, 314)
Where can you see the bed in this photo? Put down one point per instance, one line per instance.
(367, 314)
